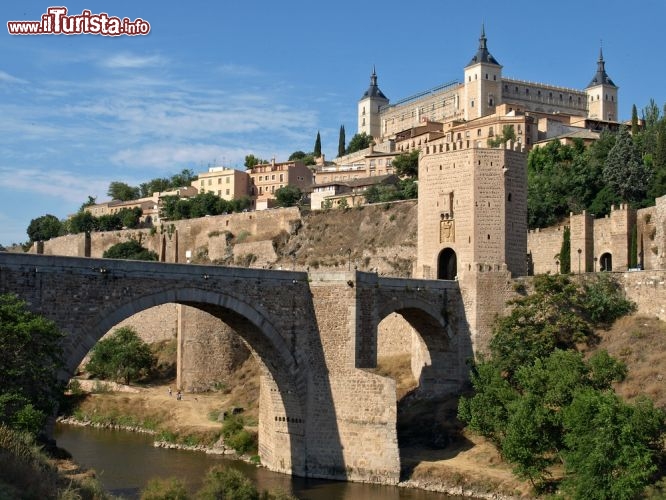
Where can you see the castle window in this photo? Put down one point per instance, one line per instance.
(495, 77)
(612, 98)
(478, 133)
(363, 110)
(469, 78)
(560, 97)
(527, 91)
(475, 75)
(364, 122)
(219, 180)
(509, 197)
(606, 96)
(516, 90)
(538, 93)
(486, 76)
(472, 103)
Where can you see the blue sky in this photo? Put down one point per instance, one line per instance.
(214, 81)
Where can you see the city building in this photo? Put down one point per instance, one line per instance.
(227, 183)
(267, 178)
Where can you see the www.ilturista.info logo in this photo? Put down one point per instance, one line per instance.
(57, 22)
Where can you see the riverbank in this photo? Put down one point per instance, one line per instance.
(470, 468)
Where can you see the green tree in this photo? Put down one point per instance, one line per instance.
(624, 170)
(317, 146)
(122, 356)
(123, 192)
(611, 448)
(81, 222)
(30, 359)
(634, 121)
(252, 161)
(341, 141)
(129, 250)
(658, 185)
(508, 134)
(307, 159)
(407, 164)
(288, 196)
(89, 203)
(44, 228)
(359, 142)
(565, 251)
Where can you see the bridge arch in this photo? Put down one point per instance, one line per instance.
(282, 410)
(434, 351)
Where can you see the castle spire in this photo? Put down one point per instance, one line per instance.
(373, 89)
(601, 77)
(482, 55)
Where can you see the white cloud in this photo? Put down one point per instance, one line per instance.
(64, 185)
(127, 60)
(7, 78)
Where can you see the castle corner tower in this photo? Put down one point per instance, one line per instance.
(368, 108)
(483, 82)
(602, 94)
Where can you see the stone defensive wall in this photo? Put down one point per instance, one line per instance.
(172, 240)
(603, 241)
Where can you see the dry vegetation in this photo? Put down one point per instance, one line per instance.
(371, 232)
(640, 342)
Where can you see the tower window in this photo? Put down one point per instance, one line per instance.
(486, 76)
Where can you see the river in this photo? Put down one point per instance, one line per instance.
(126, 461)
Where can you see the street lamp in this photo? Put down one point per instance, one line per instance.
(557, 266)
(595, 264)
(579, 252)
(349, 252)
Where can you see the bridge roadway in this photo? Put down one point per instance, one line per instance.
(322, 413)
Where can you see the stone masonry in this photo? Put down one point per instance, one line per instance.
(322, 414)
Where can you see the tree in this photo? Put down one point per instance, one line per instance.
(30, 359)
(359, 142)
(634, 121)
(252, 161)
(307, 159)
(658, 185)
(508, 134)
(89, 203)
(407, 164)
(624, 170)
(82, 222)
(122, 356)
(565, 251)
(611, 448)
(288, 196)
(123, 192)
(129, 250)
(44, 228)
(317, 146)
(341, 141)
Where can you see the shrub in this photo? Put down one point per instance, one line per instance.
(164, 489)
(221, 482)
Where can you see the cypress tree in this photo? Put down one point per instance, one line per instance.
(633, 255)
(317, 147)
(634, 121)
(565, 252)
(341, 141)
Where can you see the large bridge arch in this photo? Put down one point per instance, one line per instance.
(282, 402)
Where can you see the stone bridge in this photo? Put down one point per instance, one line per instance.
(322, 412)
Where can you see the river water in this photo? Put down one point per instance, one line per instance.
(126, 461)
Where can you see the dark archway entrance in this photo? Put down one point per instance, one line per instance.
(606, 262)
(447, 265)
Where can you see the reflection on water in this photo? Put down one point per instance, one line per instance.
(126, 461)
